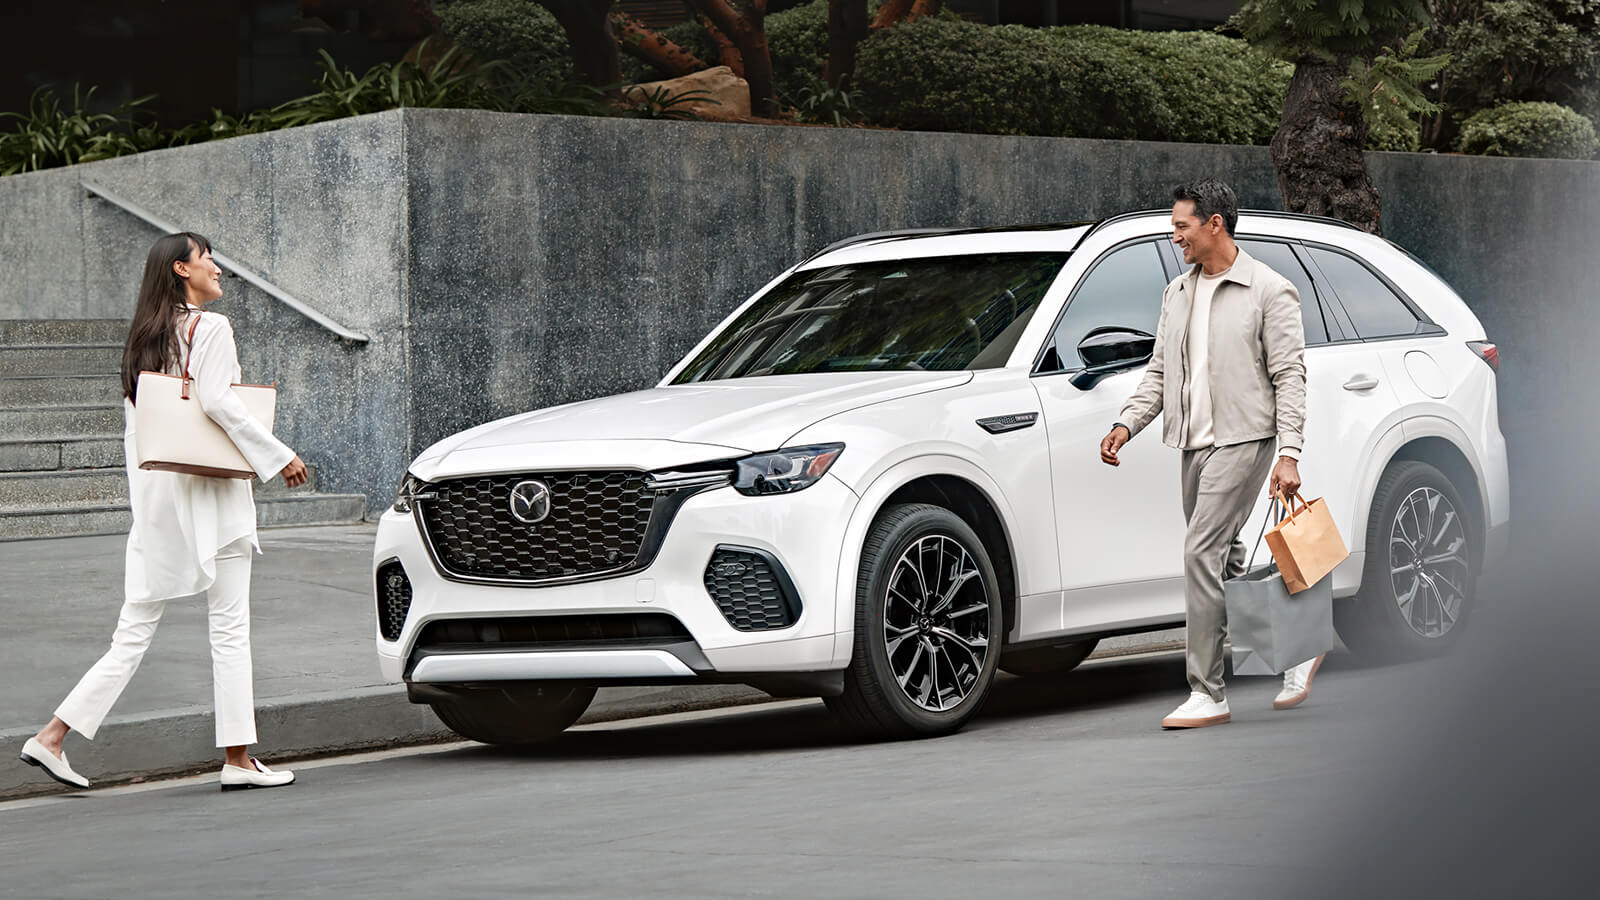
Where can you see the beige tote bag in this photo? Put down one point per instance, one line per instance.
(175, 435)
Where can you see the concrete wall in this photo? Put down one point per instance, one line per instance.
(505, 262)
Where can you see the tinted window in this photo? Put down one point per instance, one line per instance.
(954, 312)
(1123, 289)
(1280, 258)
(1374, 309)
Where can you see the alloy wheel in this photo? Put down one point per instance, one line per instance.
(936, 623)
(1428, 565)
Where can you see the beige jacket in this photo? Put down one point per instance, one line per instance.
(1258, 360)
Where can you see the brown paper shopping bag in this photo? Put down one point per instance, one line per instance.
(1306, 545)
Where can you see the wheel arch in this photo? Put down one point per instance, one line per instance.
(1443, 445)
(949, 482)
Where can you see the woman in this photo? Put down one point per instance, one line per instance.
(191, 534)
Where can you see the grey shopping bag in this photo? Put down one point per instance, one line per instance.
(1273, 630)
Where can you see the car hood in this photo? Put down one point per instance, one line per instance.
(669, 426)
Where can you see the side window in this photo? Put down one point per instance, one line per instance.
(1280, 258)
(1124, 289)
(1374, 309)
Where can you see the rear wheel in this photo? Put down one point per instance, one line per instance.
(513, 716)
(1041, 662)
(927, 608)
(1419, 585)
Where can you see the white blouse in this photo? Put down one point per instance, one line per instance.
(180, 522)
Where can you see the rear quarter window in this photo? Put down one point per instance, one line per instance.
(1374, 308)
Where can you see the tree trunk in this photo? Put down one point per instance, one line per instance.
(847, 28)
(891, 12)
(1317, 150)
(594, 48)
(747, 28)
(727, 53)
(923, 8)
(639, 40)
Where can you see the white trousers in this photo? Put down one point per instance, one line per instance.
(233, 691)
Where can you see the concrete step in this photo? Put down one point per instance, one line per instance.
(63, 331)
(95, 487)
(60, 390)
(42, 423)
(74, 453)
(60, 359)
(309, 509)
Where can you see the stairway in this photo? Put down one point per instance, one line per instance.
(61, 459)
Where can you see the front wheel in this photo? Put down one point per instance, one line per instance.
(514, 716)
(928, 626)
(1419, 585)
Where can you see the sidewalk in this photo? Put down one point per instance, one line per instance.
(318, 690)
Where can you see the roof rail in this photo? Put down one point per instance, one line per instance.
(906, 233)
(266, 286)
(1268, 213)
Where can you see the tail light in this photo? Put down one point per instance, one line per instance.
(1487, 352)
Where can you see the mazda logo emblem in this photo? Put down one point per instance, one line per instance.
(530, 501)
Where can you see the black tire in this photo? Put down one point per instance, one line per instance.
(513, 716)
(1043, 662)
(933, 628)
(1380, 623)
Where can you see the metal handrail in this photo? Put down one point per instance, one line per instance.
(225, 262)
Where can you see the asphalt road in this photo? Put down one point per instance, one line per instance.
(1064, 788)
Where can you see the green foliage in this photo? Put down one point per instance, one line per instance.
(446, 83)
(1073, 81)
(1326, 29)
(1521, 50)
(798, 41)
(828, 106)
(1389, 91)
(1529, 129)
(50, 134)
(521, 32)
(661, 103)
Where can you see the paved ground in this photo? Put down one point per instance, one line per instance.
(1064, 788)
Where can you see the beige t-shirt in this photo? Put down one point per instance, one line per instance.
(1197, 396)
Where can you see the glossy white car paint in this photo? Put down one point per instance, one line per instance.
(1095, 550)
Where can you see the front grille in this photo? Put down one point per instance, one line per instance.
(534, 632)
(752, 589)
(597, 523)
(394, 600)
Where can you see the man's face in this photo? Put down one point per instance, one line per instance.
(1196, 238)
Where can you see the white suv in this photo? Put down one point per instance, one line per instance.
(878, 480)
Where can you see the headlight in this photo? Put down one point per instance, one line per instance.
(411, 490)
(784, 471)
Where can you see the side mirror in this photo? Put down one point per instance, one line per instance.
(1111, 349)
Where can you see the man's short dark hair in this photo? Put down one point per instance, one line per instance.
(1210, 198)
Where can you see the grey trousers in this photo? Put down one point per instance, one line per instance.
(1220, 488)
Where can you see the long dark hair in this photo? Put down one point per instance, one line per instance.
(153, 337)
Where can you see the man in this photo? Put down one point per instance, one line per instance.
(1229, 370)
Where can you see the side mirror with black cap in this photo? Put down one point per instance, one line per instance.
(1109, 350)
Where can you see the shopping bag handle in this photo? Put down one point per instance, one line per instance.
(1279, 496)
(1280, 506)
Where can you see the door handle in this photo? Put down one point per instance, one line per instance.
(1361, 382)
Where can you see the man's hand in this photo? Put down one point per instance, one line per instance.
(1108, 448)
(294, 474)
(1286, 477)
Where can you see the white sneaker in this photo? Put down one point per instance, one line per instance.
(1297, 684)
(235, 778)
(1198, 712)
(35, 754)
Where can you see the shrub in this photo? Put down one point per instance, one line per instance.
(798, 41)
(521, 32)
(1529, 129)
(1073, 81)
(50, 134)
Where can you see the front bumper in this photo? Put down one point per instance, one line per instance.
(802, 531)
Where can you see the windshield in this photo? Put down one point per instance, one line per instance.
(942, 313)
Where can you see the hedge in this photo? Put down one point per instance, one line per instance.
(520, 31)
(942, 74)
(1529, 129)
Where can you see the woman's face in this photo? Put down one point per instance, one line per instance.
(201, 276)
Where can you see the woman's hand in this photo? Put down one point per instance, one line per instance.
(294, 474)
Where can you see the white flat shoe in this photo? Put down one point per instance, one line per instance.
(34, 754)
(235, 778)
(1297, 684)
(1198, 711)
